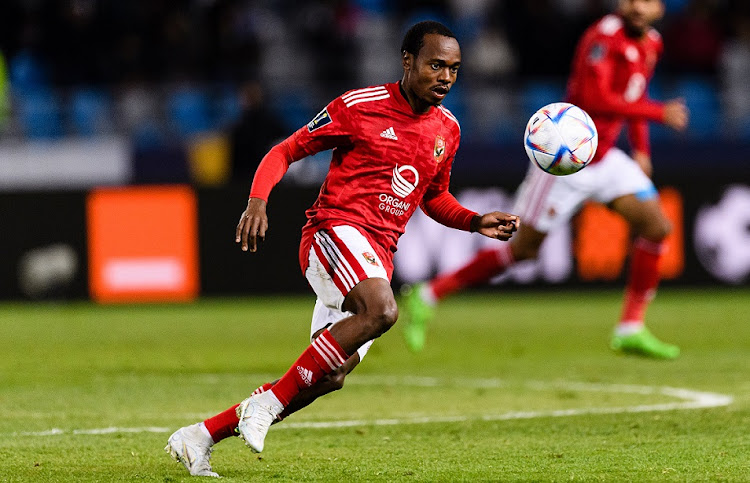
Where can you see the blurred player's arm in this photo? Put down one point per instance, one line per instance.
(639, 141)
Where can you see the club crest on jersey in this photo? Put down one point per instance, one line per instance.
(320, 120)
(370, 258)
(439, 152)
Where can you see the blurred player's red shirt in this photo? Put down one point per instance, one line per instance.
(386, 160)
(609, 76)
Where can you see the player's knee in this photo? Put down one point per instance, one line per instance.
(373, 302)
(382, 316)
(386, 316)
(664, 229)
(657, 230)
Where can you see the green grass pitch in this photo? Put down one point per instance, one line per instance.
(512, 386)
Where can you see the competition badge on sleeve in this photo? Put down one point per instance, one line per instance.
(320, 120)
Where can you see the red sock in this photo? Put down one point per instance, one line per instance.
(642, 280)
(485, 265)
(265, 387)
(223, 425)
(321, 357)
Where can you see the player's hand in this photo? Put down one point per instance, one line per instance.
(676, 114)
(252, 225)
(644, 161)
(497, 225)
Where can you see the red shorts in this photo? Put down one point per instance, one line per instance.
(335, 258)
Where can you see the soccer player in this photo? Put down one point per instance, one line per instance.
(613, 62)
(393, 147)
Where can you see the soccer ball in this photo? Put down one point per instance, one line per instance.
(560, 138)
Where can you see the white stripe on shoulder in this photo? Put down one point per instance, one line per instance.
(377, 97)
(654, 34)
(362, 91)
(450, 116)
(365, 94)
(610, 25)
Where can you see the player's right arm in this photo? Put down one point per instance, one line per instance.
(440, 205)
(329, 129)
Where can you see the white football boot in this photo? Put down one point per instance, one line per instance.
(256, 415)
(192, 447)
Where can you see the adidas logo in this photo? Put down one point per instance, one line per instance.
(306, 375)
(389, 134)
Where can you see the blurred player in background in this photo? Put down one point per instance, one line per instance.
(613, 62)
(393, 147)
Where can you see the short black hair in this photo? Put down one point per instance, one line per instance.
(414, 38)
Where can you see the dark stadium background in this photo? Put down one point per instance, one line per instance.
(101, 94)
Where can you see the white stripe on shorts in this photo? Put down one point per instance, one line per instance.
(336, 260)
(347, 275)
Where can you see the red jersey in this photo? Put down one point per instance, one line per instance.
(387, 160)
(608, 80)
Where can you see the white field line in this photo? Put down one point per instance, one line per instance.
(687, 399)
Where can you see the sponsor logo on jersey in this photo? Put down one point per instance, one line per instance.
(393, 205)
(400, 184)
(370, 258)
(439, 151)
(389, 134)
(402, 187)
(320, 120)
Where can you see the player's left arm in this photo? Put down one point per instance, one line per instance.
(639, 141)
(440, 205)
(253, 221)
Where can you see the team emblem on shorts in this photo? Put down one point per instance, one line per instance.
(439, 152)
(370, 258)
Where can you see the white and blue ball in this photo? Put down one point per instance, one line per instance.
(561, 138)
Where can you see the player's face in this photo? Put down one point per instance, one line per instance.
(429, 75)
(639, 15)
